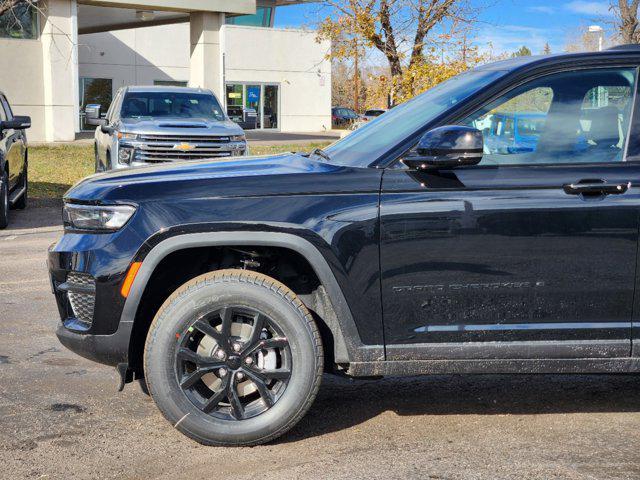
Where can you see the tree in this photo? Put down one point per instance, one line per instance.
(626, 20)
(523, 51)
(399, 29)
(547, 49)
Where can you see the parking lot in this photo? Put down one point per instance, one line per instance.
(61, 416)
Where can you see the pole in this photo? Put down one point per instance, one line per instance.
(356, 101)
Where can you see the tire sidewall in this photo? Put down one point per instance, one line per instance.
(180, 314)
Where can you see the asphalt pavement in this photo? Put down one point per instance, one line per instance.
(61, 416)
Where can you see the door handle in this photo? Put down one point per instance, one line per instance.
(595, 187)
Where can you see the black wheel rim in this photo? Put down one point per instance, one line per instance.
(233, 363)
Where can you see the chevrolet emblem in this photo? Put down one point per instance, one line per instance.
(185, 147)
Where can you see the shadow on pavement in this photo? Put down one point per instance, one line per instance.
(39, 214)
(343, 403)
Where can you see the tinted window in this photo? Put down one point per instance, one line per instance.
(373, 113)
(171, 104)
(569, 117)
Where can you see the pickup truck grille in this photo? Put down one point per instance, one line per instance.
(171, 148)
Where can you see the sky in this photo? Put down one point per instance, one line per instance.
(505, 24)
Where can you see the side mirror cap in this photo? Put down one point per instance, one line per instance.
(447, 147)
(16, 123)
(104, 128)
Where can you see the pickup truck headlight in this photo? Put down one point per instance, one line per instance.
(237, 138)
(127, 136)
(100, 218)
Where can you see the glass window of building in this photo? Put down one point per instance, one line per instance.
(19, 22)
(170, 83)
(262, 18)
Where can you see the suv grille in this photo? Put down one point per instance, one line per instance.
(168, 148)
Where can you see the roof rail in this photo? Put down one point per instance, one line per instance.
(628, 46)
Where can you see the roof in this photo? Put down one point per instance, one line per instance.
(516, 63)
(167, 88)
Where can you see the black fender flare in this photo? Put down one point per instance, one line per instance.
(348, 346)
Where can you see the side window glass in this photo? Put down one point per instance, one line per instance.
(571, 117)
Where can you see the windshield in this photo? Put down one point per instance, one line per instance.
(171, 104)
(375, 138)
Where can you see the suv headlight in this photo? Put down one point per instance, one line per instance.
(237, 138)
(100, 218)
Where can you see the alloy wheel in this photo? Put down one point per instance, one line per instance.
(233, 363)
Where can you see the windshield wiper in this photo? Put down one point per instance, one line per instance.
(321, 153)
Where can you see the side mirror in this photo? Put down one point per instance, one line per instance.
(104, 128)
(92, 114)
(447, 147)
(16, 123)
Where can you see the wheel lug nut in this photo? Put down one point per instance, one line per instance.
(248, 360)
(222, 372)
(220, 354)
(236, 347)
(240, 376)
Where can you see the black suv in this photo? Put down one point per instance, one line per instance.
(13, 161)
(435, 240)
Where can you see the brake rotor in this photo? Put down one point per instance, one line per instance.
(242, 332)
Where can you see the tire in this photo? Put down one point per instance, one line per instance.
(22, 202)
(4, 200)
(249, 315)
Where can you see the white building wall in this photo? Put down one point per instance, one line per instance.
(21, 79)
(291, 58)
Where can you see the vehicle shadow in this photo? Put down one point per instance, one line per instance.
(343, 403)
(39, 213)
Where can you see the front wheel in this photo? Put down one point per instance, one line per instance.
(233, 357)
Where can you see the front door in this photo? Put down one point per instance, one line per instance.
(531, 253)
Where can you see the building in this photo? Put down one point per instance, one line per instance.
(65, 54)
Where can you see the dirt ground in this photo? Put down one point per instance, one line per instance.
(61, 416)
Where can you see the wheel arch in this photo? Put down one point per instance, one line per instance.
(347, 345)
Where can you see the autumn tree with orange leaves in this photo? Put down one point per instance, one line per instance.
(409, 34)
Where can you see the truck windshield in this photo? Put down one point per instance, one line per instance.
(369, 142)
(171, 104)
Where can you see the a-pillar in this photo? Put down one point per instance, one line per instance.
(206, 53)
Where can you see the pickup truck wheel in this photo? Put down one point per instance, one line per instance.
(4, 200)
(233, 357)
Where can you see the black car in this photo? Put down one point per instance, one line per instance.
(419, 244)
(341, 116)
(13, 161)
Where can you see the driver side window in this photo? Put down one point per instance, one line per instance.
(569, 117)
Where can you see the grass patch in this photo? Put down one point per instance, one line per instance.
(53, 169)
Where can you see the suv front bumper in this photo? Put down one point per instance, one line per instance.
(90, 309)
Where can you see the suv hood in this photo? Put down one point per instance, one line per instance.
(180, 126)
(285, 174)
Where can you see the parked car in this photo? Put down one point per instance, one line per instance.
(13, 161)
(371, 114)
(408, 247)
(343, 117)
(514, 132)
(162, 124)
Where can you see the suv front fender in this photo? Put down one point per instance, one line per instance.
(348, 346)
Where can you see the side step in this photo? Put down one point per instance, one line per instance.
(16, 195)
(493, 366)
